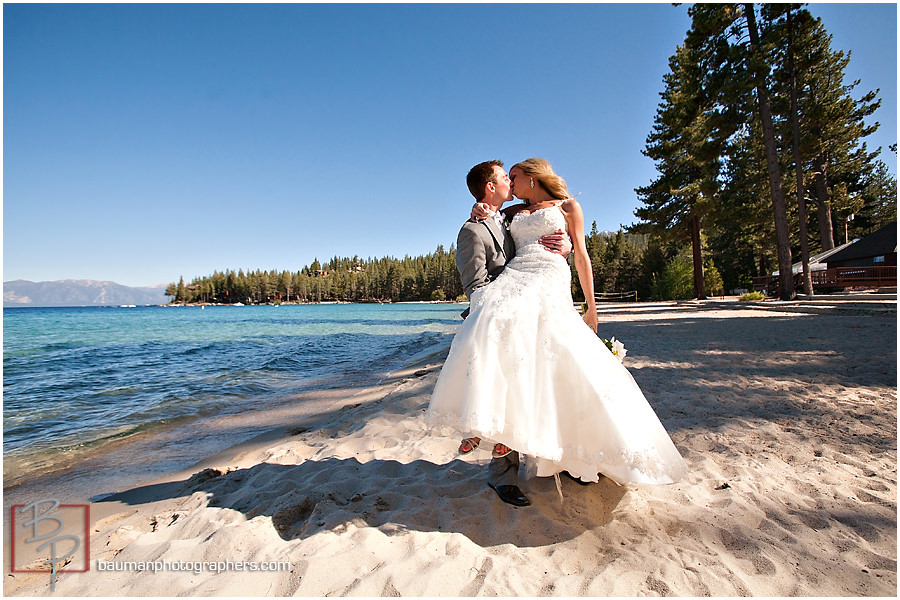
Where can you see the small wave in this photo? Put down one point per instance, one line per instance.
(119, 391)
(282, 363)
(192, 351)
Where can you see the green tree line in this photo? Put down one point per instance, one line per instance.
(430, 277)
(759, 147)
(621, 262)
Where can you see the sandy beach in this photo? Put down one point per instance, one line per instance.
(786, 417)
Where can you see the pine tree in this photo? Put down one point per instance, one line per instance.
(685, 156)
(833, 124)
(759, 69)
(879, 195)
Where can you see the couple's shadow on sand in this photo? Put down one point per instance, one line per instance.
(335, 493)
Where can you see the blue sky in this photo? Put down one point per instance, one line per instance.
(146, 142)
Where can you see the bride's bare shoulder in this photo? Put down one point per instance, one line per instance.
(570, 206)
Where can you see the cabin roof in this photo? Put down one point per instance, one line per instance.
(880, 243)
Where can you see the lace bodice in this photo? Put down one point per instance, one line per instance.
(533, 265)
(528, 228)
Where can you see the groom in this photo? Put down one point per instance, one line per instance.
(483, 247)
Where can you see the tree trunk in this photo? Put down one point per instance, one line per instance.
(699, 285)
(826, 229)
(798, 164)
(782, 234)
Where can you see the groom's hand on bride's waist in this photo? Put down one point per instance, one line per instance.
(558, 243)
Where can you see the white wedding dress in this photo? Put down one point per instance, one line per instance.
(525, 370)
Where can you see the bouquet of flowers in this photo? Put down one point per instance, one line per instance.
(616, 347)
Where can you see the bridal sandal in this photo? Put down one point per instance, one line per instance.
(500, 451)
(468, 444)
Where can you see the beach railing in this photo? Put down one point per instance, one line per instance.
(833, 279)
(615, 296)
(842, 277)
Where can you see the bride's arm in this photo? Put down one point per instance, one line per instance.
(575, 224)
(482, 210)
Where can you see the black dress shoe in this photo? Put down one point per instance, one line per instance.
(511, 494)
(576, 479)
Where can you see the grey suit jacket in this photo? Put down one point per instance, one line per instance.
(482, 250)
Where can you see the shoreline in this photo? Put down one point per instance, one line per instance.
(94, 471)
(184, 434)
(308, 410)
(236, 304)
(787, 420)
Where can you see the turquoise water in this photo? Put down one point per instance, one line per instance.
(76, 377)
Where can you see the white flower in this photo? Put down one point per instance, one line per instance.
(616, 347)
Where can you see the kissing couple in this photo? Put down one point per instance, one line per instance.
(525, 370)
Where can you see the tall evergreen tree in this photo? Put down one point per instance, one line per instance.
(833, 123)
(743, 104)
(759, 69)
(685, 153)
(792, 24)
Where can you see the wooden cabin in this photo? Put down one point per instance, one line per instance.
(877, 249)
(868, 262)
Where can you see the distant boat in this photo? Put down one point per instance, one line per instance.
(238, 304)
(127, 306)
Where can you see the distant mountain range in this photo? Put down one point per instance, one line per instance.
(79, 292)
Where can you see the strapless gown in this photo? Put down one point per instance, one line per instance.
(525, 370)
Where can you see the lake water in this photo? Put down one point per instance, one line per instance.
(78, 379)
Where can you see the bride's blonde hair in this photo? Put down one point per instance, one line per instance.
(542, 171)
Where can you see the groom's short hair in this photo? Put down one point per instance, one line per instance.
(480, 175)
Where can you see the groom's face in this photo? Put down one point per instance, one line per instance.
(502, 187)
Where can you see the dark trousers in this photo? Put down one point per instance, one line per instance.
(504, 471)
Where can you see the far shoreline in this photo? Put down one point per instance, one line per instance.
(236, 304)
(860, 295)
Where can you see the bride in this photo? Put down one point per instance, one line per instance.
(525, 372)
